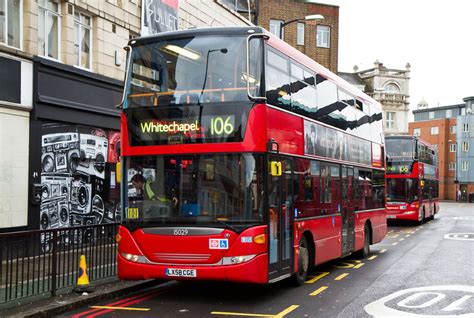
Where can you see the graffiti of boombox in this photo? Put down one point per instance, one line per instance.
(55, 209)
(80, 197)
(54, 214)
(55, 186)
(60, 152)
(94, 148)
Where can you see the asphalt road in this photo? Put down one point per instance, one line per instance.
(416, 271)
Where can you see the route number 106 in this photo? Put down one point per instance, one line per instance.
(221, 126)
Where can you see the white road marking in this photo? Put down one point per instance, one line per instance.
(423, 297)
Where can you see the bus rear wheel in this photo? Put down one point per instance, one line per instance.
(433, 213)
(303, 262)
(421, 216)
(365, 251)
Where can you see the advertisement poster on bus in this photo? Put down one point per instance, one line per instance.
(331, 143)
(159, 16)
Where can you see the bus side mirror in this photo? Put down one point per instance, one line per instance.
(275, 168)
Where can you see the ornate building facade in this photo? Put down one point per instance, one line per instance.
(390, 87)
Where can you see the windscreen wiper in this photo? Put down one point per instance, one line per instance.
(233, 228)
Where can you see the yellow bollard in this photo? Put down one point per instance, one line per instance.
(83, 284)
(83, 279)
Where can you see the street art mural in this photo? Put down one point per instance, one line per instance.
(78, 179)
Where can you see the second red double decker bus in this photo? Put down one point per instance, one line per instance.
(243, 160)
(412, 179)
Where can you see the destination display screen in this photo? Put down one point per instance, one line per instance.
(149, 126)
(398, 168)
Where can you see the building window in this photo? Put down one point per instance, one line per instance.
(465, 127)
(416, 131)
(465, 166)
(465, 146)
(323, 35)
(452, 147)
(431, 115)
(10, 22)
(452, 166)
(390, 121)
(275, 27)
(48, 28)
(434, 130)
(82, 39)
(452, 129)
(449, 113)
(300, 34)
(392, 89)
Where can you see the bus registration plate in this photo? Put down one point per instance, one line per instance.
(180, 272)
(391, 216)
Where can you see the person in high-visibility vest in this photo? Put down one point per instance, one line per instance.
(145, 186)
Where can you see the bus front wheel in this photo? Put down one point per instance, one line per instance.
(303, 262)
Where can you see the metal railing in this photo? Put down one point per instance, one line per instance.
(44, 261)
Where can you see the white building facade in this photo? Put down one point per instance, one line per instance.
(390, 87)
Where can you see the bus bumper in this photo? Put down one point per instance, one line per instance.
(253, 271)
(410, 215)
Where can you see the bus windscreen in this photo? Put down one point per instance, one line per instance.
(402, 190)
(195, 189)
(400, 148)
(193, 70)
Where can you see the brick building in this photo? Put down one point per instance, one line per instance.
(317, 39)
(451, 130)
(62, 65)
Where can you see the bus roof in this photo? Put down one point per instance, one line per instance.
(234, 30)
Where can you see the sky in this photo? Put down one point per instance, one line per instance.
(435, 37)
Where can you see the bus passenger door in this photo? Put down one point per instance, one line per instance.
(280, 217)
(347, 211)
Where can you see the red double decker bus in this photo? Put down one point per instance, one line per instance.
(412, 179)
(243, 160)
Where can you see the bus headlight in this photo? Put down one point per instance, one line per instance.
(133, 258)
(232, 260)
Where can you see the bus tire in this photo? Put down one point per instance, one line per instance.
(421, 217)
(365, 251)
(303, 262)
(433, 212)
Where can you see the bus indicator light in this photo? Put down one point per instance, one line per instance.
(259, 239)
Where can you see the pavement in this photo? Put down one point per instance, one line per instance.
(46, 306)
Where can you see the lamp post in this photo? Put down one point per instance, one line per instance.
(306, 18)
